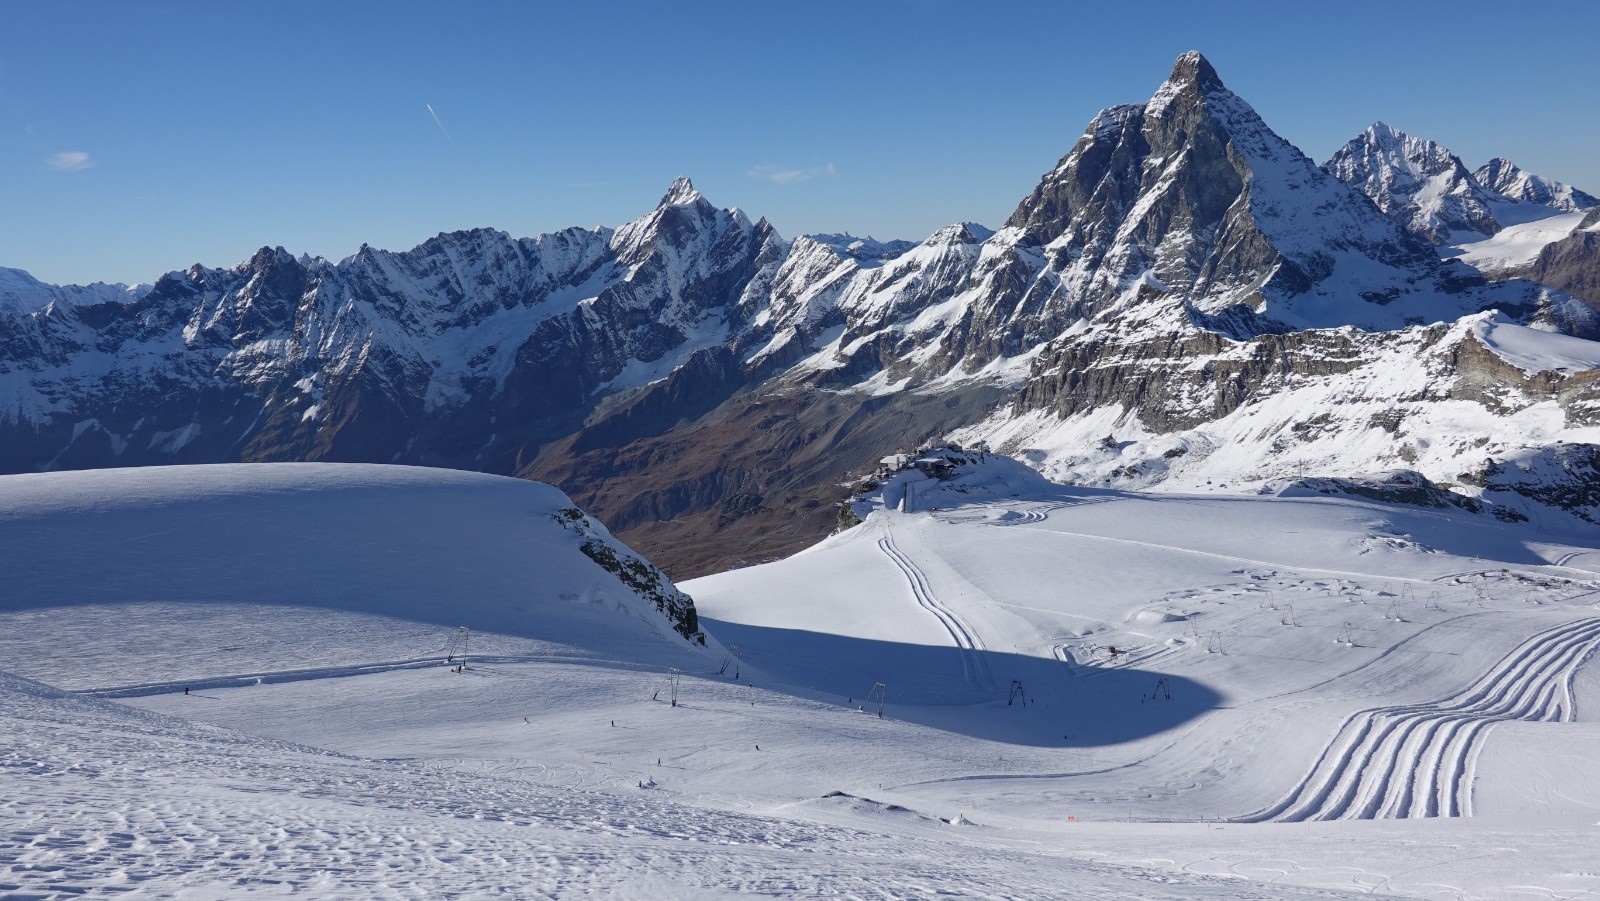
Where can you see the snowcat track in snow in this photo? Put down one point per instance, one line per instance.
(1418, 760)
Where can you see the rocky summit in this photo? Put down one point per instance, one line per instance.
(1185, 301)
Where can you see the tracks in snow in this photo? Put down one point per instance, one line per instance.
(1036, 515)
(973, 666)
(273, 677)
(1418, 760)
(1133, 658)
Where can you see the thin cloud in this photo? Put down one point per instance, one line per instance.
(69, 161)
(438, 123)
(789, 175)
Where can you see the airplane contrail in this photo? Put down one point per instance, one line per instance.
(438, 123)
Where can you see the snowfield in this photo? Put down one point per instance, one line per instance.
(1516, 245)
(242, 681)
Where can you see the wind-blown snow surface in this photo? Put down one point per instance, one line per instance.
(325, 747)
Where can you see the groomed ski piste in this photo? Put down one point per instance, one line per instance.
(254, 681)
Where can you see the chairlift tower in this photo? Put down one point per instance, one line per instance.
(458, 648)
(1017, 691)
(673, 675)
(879, 693)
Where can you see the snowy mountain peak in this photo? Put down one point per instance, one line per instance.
(1507, 178)
(1192, 68)
(1416, 182)
(866, 250)
(682, 191)
(960, 233)
(1383, 134)
(20, 292)
(1193, 196)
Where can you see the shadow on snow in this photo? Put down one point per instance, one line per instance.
(1066, 705)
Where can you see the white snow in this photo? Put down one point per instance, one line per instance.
(324, 746)
(20, 292)
(1535, 350)
(1396, 408)
(1516, 245)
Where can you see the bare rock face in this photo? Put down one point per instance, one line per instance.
(637, 573)
(1402, 486)
(1564, 477)
(1159, 384)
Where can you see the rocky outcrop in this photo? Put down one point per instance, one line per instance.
(1183, 379)
(1563, 477)
(1402, 486)
(637, 573)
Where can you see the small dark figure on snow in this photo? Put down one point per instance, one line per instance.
(186, 689)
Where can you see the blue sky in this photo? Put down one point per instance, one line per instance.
(140, 137)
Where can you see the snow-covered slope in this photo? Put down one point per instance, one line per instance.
(1017, 755)
(1515, 246)
(1190, 657)
(318, 563)
(102, 799)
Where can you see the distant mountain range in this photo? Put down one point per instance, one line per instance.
(1185, 301)
(1426, 188)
